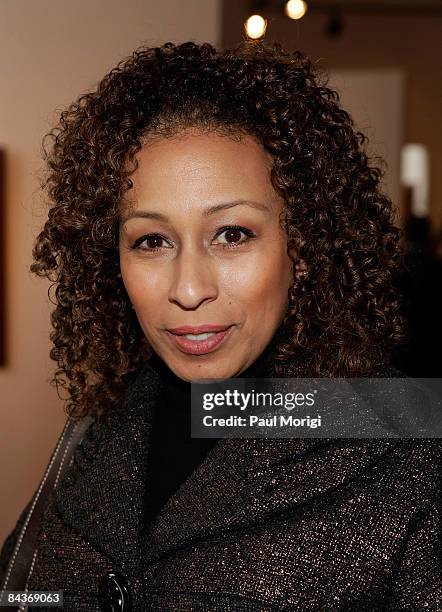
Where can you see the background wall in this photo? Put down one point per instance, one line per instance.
(50, 52)
(375, 100)
(409, 44)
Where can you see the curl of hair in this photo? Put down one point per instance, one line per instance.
(344, 314)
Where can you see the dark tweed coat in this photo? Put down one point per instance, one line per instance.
(305, 525)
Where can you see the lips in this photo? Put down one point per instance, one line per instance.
(201, 329)
(200, 347)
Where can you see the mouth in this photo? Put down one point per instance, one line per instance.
(200, 343)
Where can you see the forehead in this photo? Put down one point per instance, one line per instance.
(197, 168)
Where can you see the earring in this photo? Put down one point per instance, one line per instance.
(301, 269)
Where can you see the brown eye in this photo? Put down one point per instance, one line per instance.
(232, 236)
(153, 242)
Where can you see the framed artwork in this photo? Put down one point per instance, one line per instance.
(2, 258)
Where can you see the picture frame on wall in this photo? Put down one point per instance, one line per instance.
(2, 257)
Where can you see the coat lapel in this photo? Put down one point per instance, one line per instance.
(102, 494)
(241, 481)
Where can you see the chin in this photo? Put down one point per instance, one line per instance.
(200, 373)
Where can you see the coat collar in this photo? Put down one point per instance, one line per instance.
(240, 482)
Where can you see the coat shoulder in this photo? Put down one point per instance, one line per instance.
(10, 543)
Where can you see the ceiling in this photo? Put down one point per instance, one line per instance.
(394, 7)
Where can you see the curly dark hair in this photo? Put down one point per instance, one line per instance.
(345, 314)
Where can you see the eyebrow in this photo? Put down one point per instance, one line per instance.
(146, 214)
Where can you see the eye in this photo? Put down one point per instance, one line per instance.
(152, 240)
(233, 235)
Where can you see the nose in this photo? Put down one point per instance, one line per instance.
(194, 280)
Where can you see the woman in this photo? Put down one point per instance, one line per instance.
(224, 194)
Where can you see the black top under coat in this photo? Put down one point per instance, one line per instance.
(173, 453)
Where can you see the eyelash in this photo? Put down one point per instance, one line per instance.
(250, 235)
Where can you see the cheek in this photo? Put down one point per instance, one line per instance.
(144, 291)
(261, 284)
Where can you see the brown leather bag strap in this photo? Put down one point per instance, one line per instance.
(21, 562)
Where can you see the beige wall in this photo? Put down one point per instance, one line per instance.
(49, 53)
(408, 44)
(375, 100)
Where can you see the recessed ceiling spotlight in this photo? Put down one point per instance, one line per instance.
(295, 9)
(255, 26)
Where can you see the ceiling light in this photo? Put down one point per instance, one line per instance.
(295, 9)
(255, 26)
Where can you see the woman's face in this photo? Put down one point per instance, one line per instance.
(182, 265)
